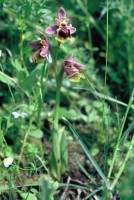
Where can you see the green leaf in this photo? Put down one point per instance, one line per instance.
(64, 152)
(36, 133)
(6, 79)
(56, 157)
(48, 189)
(126, 133)
(94, 150)
(85, 172)
(93, 193)
(33, 190)
(68, 113)
(28, 82)
(84, 147)
(27, 196)
(59, 153)
(18, 65)
(103, 96)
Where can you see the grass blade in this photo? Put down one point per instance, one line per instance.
(120, 134)
(126, 133)
(104, 96)
(84, 147)
(92, 193)
(86, 173)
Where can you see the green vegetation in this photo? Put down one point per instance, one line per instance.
(67, 104)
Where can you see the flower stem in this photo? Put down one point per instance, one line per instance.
(55, 61)
(56, 153)
(56, 156)
(58, 87)
(41, 93)
(21, 44)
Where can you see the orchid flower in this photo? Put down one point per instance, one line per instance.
(73, 69)
(61, 29)
(42, 47)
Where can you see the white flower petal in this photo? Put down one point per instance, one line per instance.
(8, 161)
(15, 114)
(18, 114)
(23, 114)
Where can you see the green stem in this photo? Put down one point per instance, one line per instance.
(4, 139)
(88, 23)
(120, 134)
(56, 158)
(123, 165)
(22, 51)
(56, 154)
(105, 82)
(41, 93)
(43, 164)
(106, 147)
(55, 61)
(58, 87)
(24, 143)
(106, 65)
(90, 39)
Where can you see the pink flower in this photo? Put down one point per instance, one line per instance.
(42, 47)
(73, 69)
(62, 30)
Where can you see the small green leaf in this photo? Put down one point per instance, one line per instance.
(48, 189)
(68, 113)
(33, 190)
(28, 82)
(28, 196)
(36, 133)
(94, 150)
(6, 79)
(18, 65)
